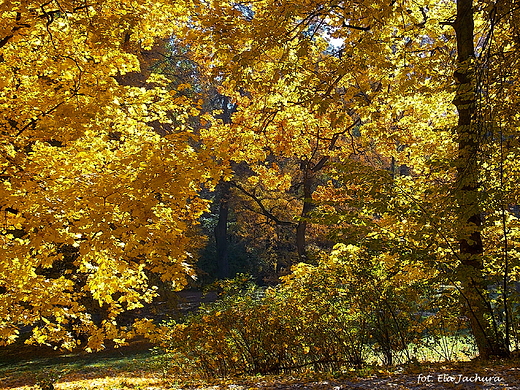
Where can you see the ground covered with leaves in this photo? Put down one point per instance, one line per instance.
(138, 367)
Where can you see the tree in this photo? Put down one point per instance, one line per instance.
(394, 71)
(273, 134)
(100, 174)
(489, 340)
(393, 122)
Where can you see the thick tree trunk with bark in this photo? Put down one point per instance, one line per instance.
(470, 272)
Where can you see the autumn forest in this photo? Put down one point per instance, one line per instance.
(344, 173)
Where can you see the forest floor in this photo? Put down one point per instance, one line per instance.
(138, 367)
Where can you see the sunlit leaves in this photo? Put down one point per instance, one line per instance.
(100, 170)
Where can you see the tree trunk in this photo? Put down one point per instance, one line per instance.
(221, 230)
(301, 228)
(221, 236)
(471, 273)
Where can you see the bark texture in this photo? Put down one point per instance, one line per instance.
(471, 273)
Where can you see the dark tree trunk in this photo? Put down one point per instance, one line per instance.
(221, 230)
(221, 233)
(301, 228)
(471, 273)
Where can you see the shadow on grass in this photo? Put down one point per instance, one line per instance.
(22, 365)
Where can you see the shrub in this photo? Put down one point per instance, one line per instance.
(338, 313)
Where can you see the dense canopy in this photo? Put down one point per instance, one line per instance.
(296, 128)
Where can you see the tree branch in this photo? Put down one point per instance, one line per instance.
(367, 28)
(264, 211)
(332, 144)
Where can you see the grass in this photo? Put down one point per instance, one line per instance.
(130, 367)
(124, 369)
(137, 367)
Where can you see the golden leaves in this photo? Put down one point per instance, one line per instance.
(93, 196)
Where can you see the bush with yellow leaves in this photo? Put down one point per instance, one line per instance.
(345, 311)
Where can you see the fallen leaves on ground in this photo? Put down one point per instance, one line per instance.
(499, 375)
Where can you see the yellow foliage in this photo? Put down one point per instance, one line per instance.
(92, 197)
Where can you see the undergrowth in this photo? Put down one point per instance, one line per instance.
(347, 311)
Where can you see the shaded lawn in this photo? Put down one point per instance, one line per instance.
(137, 367)
(26, 366)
